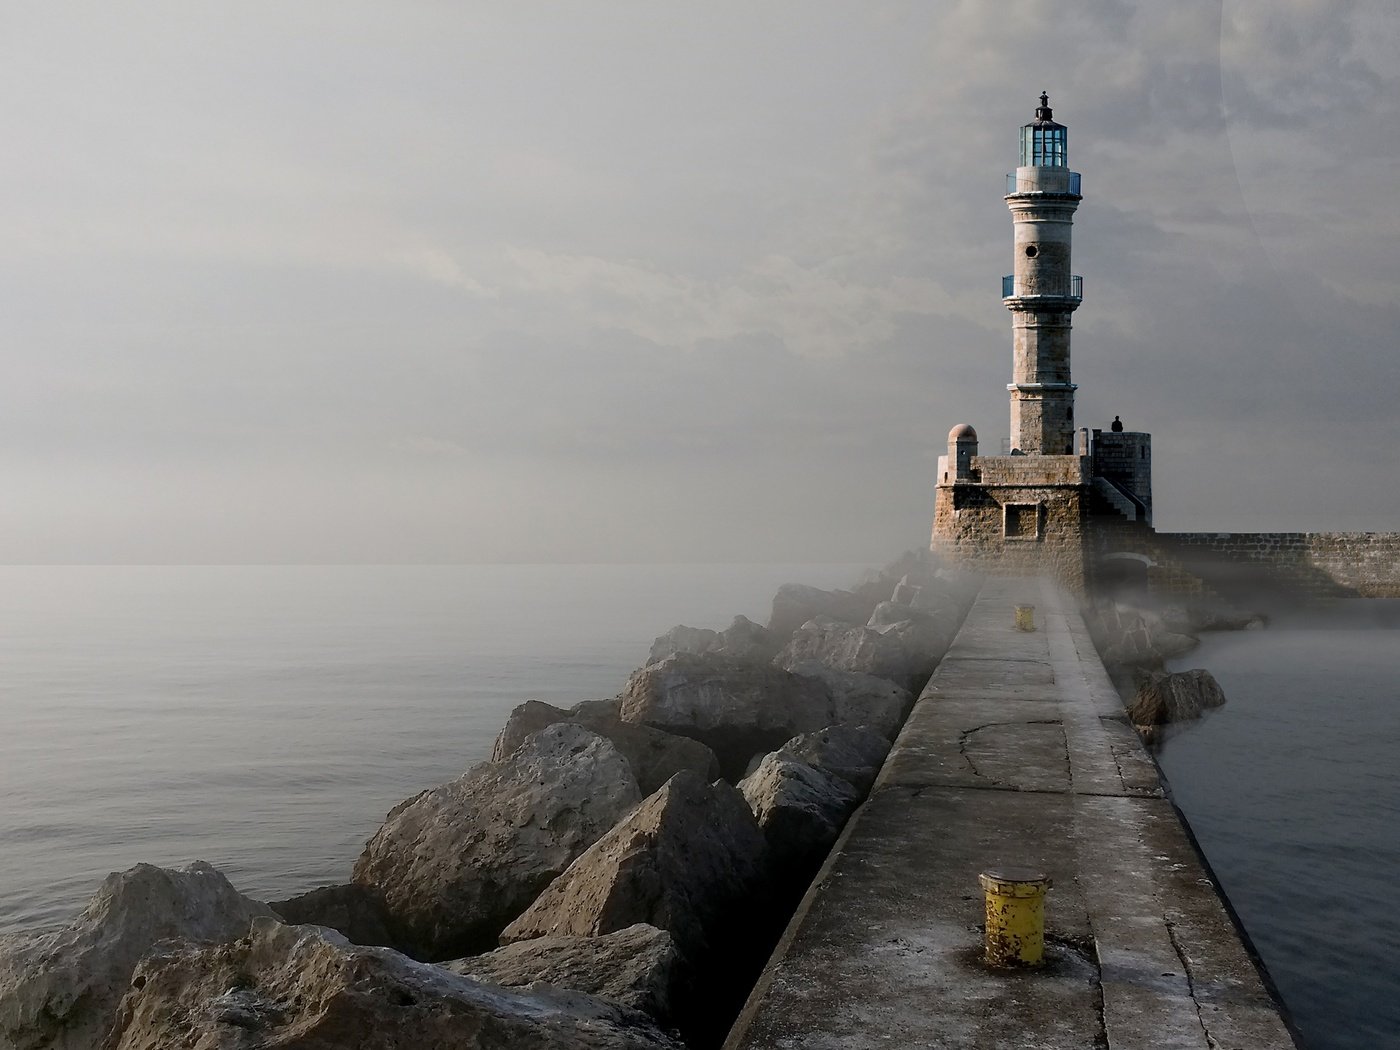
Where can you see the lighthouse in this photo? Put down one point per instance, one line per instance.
(1041, 291)
(1042, 504)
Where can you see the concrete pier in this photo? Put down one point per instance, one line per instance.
(1016, 754)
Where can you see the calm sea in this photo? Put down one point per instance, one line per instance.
(1293, 792)
(266, 718)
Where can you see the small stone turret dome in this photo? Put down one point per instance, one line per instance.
(962, 432)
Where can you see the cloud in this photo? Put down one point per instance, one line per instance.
(465, 282)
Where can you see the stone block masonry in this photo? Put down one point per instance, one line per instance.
(1310, 564)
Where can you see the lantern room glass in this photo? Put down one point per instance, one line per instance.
(1044, 146)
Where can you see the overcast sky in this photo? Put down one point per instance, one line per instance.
(617, 281)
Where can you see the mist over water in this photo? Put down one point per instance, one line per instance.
(1293, 791)
(266, 718)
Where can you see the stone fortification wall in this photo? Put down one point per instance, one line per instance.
(1024, 530)
(1316, 564)
(1037, 471)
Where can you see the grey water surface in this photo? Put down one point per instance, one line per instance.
(1293, 792)
(265, 718)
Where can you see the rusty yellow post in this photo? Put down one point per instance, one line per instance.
(1025, 617)
(1015, 916)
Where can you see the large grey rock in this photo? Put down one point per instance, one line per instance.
(860, 699)
(736, 707)
(923, 632)
(801, 809)
(1178, 696)
(745, 640)
(688, 860)
(60, 990)
(683, 639)
(796, 603)
(853, 753)
(459, 861)
(356, 912)
(1132, 637)
(308, 988)
(637, 966)
(654, 755)
(741, 640)
(849, 647)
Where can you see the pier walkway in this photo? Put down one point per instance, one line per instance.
(1017, 753)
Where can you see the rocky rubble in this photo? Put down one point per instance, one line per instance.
(637, 966)
(796, 603)
(655, 756)
(59, 991)
(853, 753)
(456, 863)
(1132, 637)
(356, 912)
(308, 987)
(687, 860)
(800, 809)
(740, 709)
(741, 640)
(734, 707)
(1167, 697)
(848, 647)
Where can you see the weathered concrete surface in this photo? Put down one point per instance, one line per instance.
(1016, 753)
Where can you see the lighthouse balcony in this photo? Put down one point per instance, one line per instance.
(1052, 181)
(1073, 289)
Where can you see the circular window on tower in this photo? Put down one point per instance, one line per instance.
(1032, 251)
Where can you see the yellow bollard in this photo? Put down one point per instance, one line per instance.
(1015, 916)
(1025, 617)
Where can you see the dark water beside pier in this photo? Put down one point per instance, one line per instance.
(1293, 792)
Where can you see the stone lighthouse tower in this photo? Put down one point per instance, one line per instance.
(1027, 510)
(1042, 294)
(1044, 504)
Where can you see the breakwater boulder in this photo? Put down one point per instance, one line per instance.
(1132, 637)
(796, 604)
(356, 912)
(741, 640)
(739, 708)
(802, 794)
(456, 863)
(850, 647)
(799, 808)
(688, 860)
(637, 967)
(853, 753)
(654, 755)
(60, 990)
(735, 707)
(859, 699)
(308, 987)
(1164, 698)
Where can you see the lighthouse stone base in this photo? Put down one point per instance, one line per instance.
(1016, 515)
